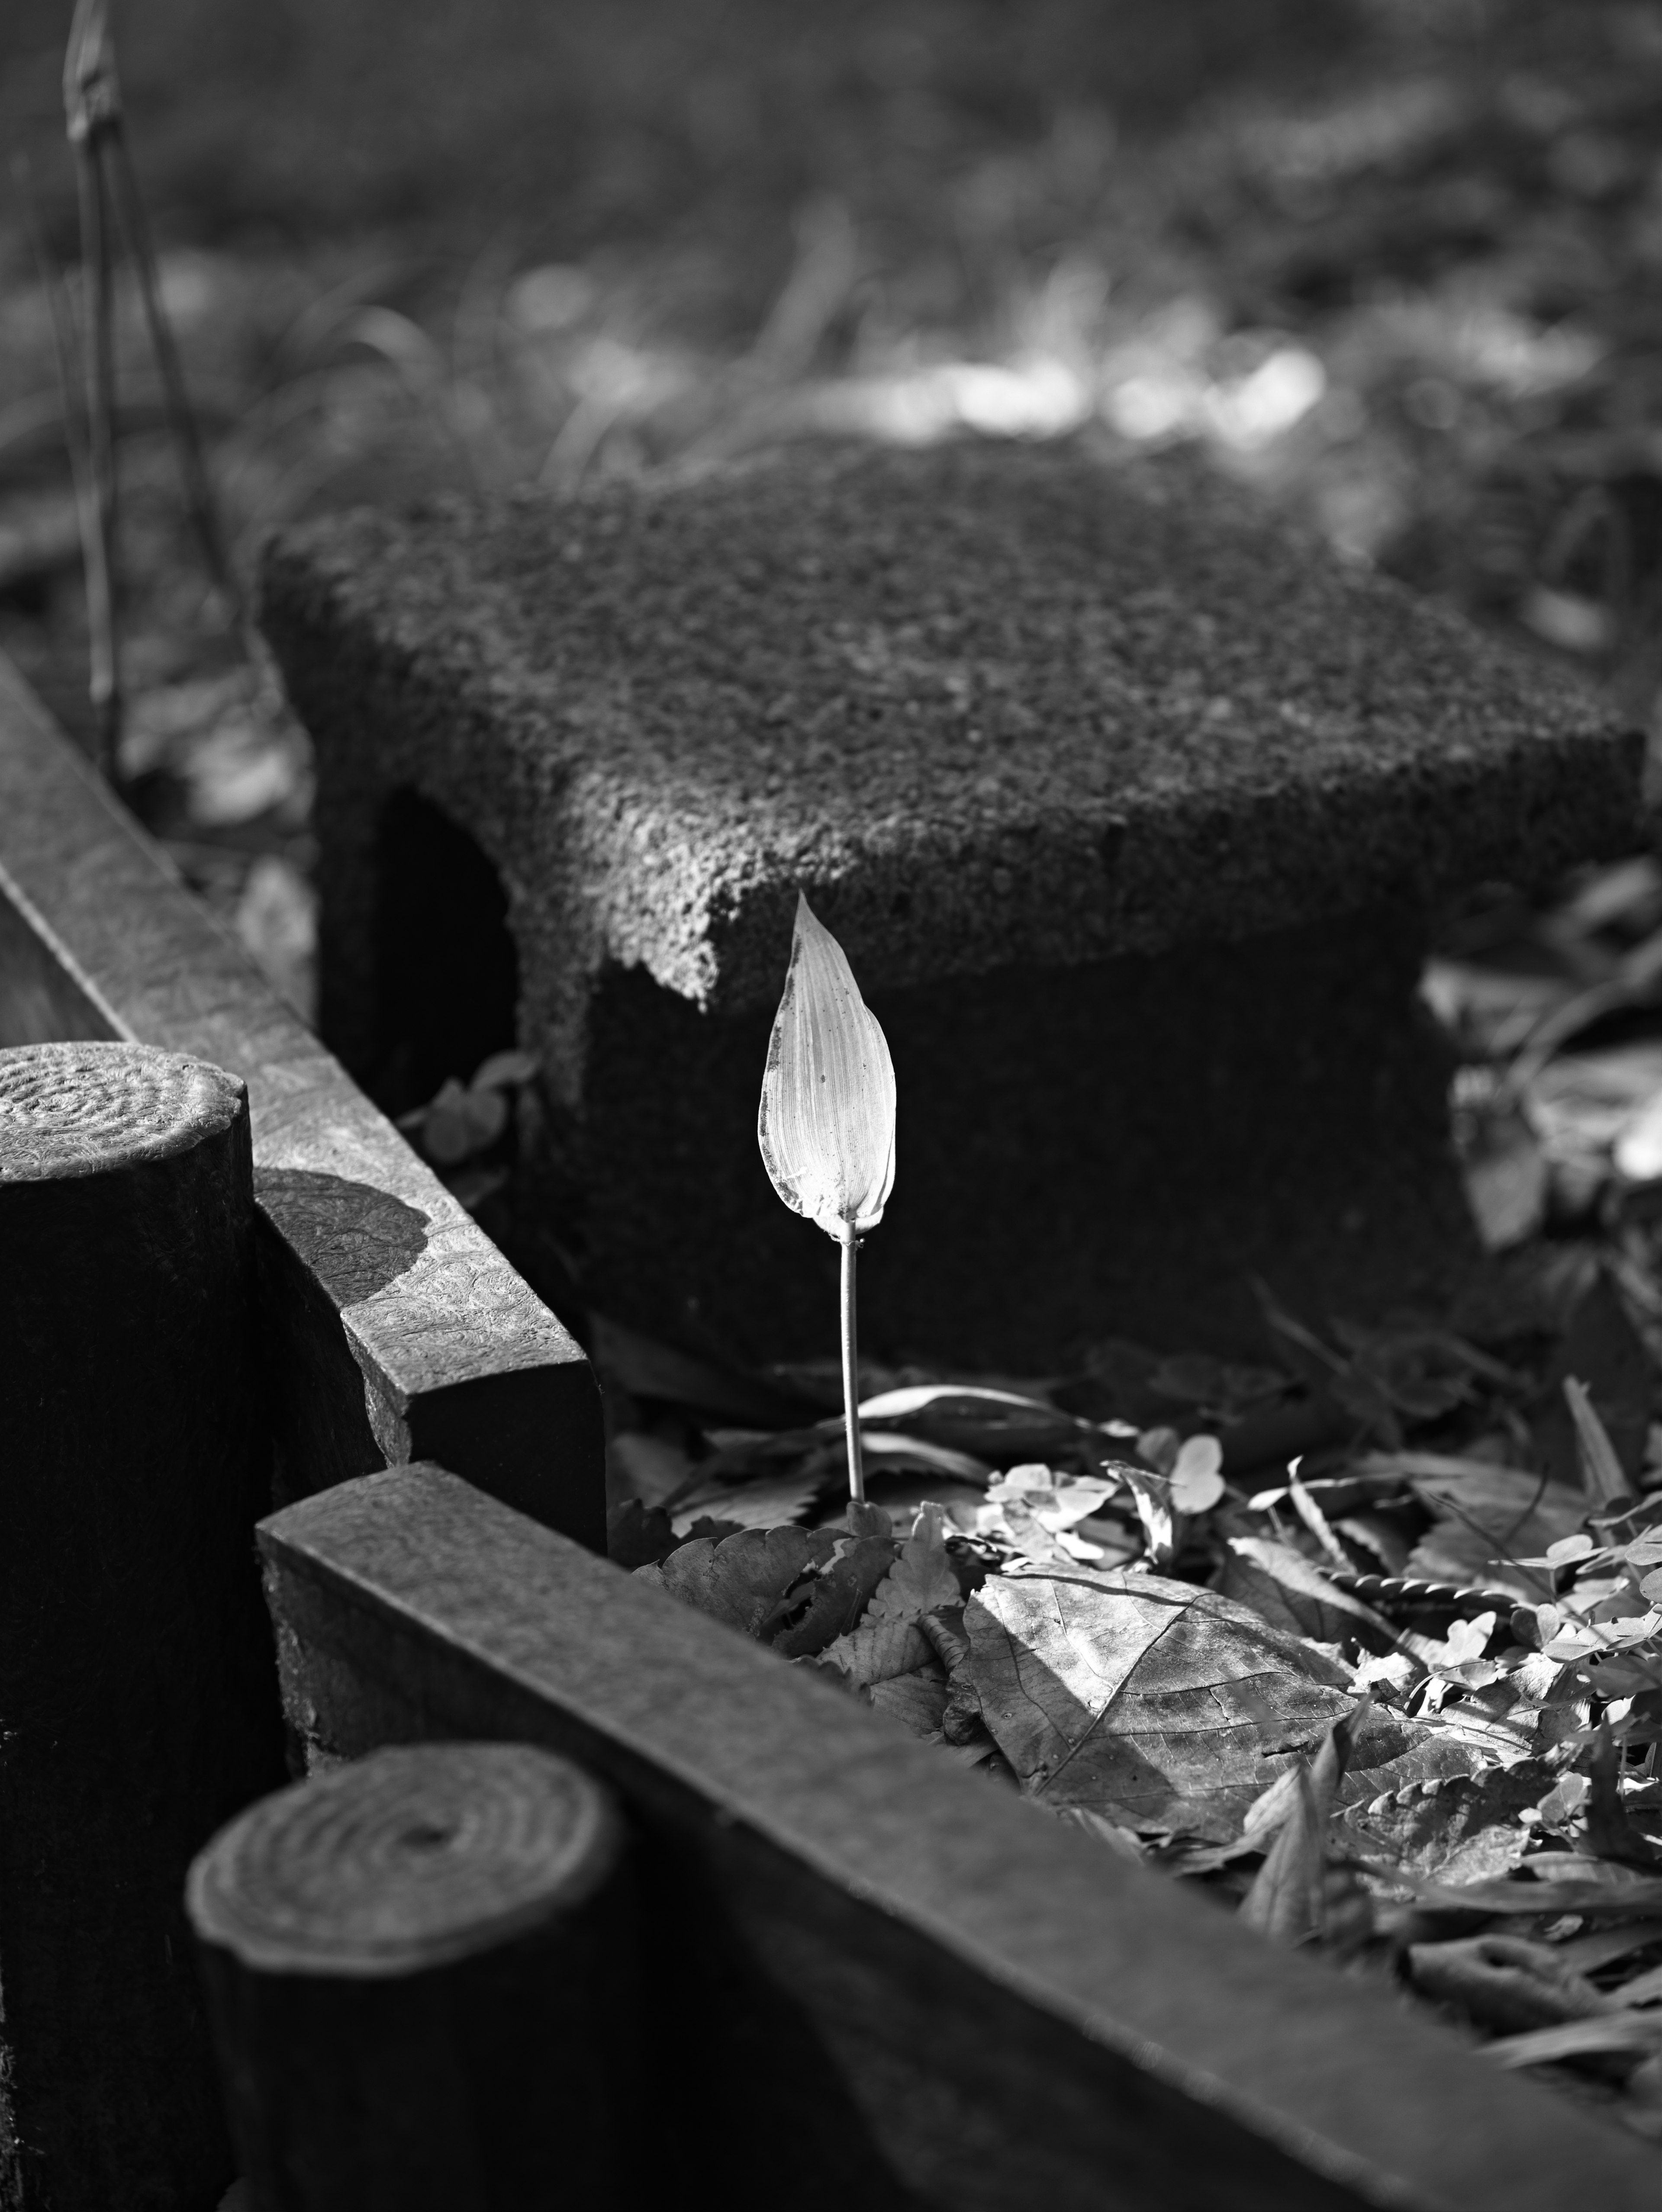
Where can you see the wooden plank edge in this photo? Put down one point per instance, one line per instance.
(397, 1315)
(435, 1611)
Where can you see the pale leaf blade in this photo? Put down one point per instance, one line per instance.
(826, 1122)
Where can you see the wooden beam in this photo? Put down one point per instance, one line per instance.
(880, 1974)
(395, 1326)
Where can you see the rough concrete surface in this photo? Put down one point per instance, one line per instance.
(1006, 714)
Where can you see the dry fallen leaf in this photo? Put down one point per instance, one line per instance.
(837, 1596)
(888, 1641)
(1504, 1983)
(1155, 1704)
(1467, 1830)
(1287, 1901)
(743, 1579)
(1487, 1519)
(1290, 1592)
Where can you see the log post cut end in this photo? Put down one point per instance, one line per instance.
(87, 1109)
(418, 1967)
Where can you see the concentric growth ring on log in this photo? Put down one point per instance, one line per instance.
(76, 1109)
(409, 1859)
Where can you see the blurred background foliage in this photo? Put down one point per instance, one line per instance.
(1397, 261)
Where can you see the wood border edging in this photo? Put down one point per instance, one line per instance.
(395, 1326)
(1013, 2015)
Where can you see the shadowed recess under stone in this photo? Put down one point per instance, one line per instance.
(1125, 802)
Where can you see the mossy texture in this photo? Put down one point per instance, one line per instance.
(1044, 738)
(988, 705)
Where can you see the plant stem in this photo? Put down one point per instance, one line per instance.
(851, 1369)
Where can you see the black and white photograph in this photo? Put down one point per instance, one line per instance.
(830, 1105)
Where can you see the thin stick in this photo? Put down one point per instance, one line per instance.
(65, 342)
(851, 1369)
(181, 416)
(88, 96)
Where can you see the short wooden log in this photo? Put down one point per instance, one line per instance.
(418, 1969)
(137, 1698)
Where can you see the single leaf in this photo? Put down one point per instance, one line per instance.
(850, 1570)
(1197, 1476)
(1153, 1702)
(967, 1399)
(1587, 1953)
(743, 1579)
(1058, 1500)
(1543, 1898)
(1579, 2038)
(1602, 1474)
(1567, 1548)
(922, 1579)
(1643, 1988)
(1467, 1830)
(1121, 1842)
(1504, 1983)
(1391, 1755)
(766, 1504)
(649, 1467)
(1287, 1901)
(1610, 1830)
(1488, 1519)
(826, 1122)
(1162, 1523)
(917, 1700)
(1604, 1350)
(1309, 1510)
(1644, 1550)
(878, 1650)
(638, 1535)
(460, 1122)
(888, 1640)
(1292, 1593)
(1508, 1180)
(504, 1068)
(1001, 1426)
(1039, 1515)
(885, 1451)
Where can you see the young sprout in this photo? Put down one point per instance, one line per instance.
(826, 1120)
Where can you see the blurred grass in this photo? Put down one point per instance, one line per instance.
(1396, 260)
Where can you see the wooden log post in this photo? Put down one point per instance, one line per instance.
(418, 1971)
(137, 1699)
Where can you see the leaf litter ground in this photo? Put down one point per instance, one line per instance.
(1364, 1641)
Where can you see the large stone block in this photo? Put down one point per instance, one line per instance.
(1127, 804)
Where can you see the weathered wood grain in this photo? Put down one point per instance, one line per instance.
(138, 1704)
(418, 1970)
(877, 1973)
(395, 1326)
